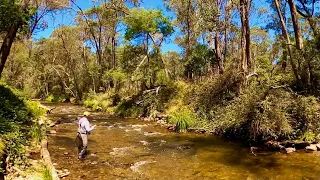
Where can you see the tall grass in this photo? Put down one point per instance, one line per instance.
(46, 175)
(183, 121)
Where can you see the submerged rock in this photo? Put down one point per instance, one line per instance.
(312, 147)
(135, 166)
(290, 150)
(185, 146)
(139, 125)
(120, 151)
(152, 134)
(145, 143)
(94, 163)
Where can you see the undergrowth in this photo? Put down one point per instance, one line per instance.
(253, 110)
(18, 125)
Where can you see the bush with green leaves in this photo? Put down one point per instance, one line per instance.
(128, 108)
(259, 112)
(53, 98)
(98, 101)
(17, 123)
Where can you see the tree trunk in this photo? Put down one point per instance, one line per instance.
(248, 38)
(218, 53)
(7, 44)
(244, 59)
(296, 26)
(226, 30)
(287, 38)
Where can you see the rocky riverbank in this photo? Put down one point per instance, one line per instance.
(287, 147)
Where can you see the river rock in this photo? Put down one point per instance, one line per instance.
(162, 116)
(171, 128)
(197, 130)
(94, 163)
(53, 132)
(161, 122)
(312, 147)
(318, 147)
(290, 150)
(62, 175)
(301, 145)
(66, 153)
(147, 119)
(93, 155)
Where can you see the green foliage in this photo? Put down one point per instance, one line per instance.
(98, 101)
(183, 120)
(16, 123)
(199, 62)
(35, 108)
(15, 147)
(305, 112)
(9, 13)
(46, 175)
(218, 91)
(37, 132)
(308, 136)
(128, 108)
(142, 21)
(53, 98)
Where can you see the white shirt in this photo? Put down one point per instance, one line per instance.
(84, 126)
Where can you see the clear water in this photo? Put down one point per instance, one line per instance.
(131, 149)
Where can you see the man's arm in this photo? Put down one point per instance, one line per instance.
(87, 126)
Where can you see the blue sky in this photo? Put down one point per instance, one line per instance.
(67, 18)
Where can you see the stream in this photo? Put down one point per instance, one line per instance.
(122, 148)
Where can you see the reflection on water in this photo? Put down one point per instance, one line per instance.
(131, 149)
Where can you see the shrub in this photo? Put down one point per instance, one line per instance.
(37, 132)
(217, 91)
(128, 108)
(182, 120)
(308, 136)
(35, 108)
(53, 98)
(305, 114)
(16, 123)
(98, 101)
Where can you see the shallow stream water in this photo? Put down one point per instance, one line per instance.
(132, 149)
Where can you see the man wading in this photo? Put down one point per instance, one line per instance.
(82, 137)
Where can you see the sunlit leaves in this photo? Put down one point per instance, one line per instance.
(141, 21)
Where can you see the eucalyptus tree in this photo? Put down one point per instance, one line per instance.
(148, 28)
(186, 21)
(17, 16)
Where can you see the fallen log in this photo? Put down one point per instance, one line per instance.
(47, 159)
